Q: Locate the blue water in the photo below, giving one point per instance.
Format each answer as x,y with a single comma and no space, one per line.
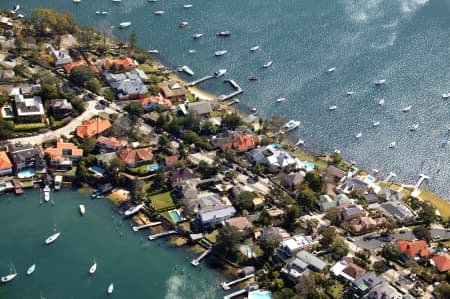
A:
98,170
308,166
25,173
175,216
259,295
153,167
402,41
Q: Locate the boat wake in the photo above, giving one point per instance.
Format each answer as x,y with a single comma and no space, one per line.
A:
175,287
410,6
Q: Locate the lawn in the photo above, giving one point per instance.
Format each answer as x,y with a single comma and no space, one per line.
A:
146,68
212,236
336,290
304,156
162,201
437,202
139,170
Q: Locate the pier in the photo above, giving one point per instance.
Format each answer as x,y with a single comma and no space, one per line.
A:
160,235
232,102
196,262
226,285
389,177
137,228
238,91
248,288
198,81
421,180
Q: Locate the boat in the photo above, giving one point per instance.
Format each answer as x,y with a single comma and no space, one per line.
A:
116,0
300,142
192,51
254,49
267,64
153,51
349,93
290,125
414,127
134,210
381,102
76,1
93,268
152,0
407,108
332,108
8,277
101,12
187,70
253,78
20,16
375,124
446,95
52,238
46,193
110,289
336,151
380,82
159,12
331,69
220,53
31,269
254,110
281,100
82,210
220,73
223,33
183,24
15,8
187,5
392,144
197,35
444,143
124,25
358,135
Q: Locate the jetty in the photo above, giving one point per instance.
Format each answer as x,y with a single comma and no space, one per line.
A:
196,262
238,90
421,180
389,177
160,235
226,285
137,228
198,81
232,102
248,288
17,186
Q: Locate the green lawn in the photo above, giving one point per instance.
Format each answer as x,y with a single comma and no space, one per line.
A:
146,68
336,290
320,164
212,236
437,202
162,201
139,170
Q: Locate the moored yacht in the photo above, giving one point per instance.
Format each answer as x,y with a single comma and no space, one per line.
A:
223,33
82,210
281,100
93,268
15,8
159,12
183,24
31,269
350,93
332,108
290,125
253,78
331,69
380,82
110,289
358,135
392,144
101,12
414,127
446,95
267,64
153,51
300,142
134,210
375,124
8,278
220,73
220,53
192,51
407,108
187,70
381,102
197,35
124,25
254,49
187,5
52,238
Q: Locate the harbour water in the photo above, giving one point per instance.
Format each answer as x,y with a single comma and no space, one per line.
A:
402,41
139,268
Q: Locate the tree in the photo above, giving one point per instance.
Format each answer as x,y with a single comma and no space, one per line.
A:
379,267
339,247
273,124
391,251
286,293
81,173
306,196
231,121
336,158
422,233
258,169
3,98
231,155
81,74
135,108
6,129
305,285
192,121
132,40
49,91
444,290
292,214
117,165
390,224
265,218
314,181
78,105
88,145
205,170
93,85
208,128
311,226
427,212
333,215
159,180
227,240
328,236
244,201
137,190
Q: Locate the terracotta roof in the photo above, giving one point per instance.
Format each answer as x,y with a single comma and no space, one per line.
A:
68,67
5,163
352,269
415,248
241,223
111,142
134,156
156,100
121,63
62,149
243,143
171,160
91,127
442,262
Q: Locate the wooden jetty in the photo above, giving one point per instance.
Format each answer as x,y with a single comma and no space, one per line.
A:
198,81
137,228
160,235
248,288
196,262
232,102
238,91
17,187
226,285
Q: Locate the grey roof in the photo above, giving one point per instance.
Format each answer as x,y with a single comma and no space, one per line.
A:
218,212
368,280
383,291
397,210
126,83
355,184
61,104
391,195
201,108
311,260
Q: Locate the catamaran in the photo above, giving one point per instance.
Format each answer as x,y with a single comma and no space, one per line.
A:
134,210
31,269
52,238
220,73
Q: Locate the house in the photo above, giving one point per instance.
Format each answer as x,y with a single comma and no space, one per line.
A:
171,160
292,179
347,270
365,224
207,157
258,203
104,160
173,91
271,156
29,110
25,156
352,211
61,108
136,157
353,184
272,233
129,89
124,64
203,108
333,176
398,211
240,223
181,175
366,282
391,195
60,56
64,155
6,22
210,208
92,127
110,144
216,215
5,164
245,142
289,247
303,263
383,291
326,202
7,75
154,102
417,249
441,262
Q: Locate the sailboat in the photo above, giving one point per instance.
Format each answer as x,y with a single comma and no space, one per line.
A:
31,269
110,289
93,268
12,274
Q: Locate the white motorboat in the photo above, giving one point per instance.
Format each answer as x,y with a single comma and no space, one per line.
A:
350,93
20,16
52,238
254,110
220,73
183,24
134,210
414,127
223,33
152,0
15,8
281,100
82,210
336,151
300,142
159,12
116,0
330,70
93,268
290,125
381,102
332,108
192,51
220,53
358,135
380,82
110,289
46,193
197,35
254,49
124,25
407,108
187,70
446,95
375,124
76,1
101,12
31,269
153,51
267,64
187,5
392,144
8,277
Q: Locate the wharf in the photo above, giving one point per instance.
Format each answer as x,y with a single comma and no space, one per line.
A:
198,81
17,186
226,285
196,262
238,91
248,288
160,235
232,102
137,228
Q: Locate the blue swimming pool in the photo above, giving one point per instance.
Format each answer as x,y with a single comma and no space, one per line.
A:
308,166
27,173
98,170
246,250
175,215
204,195
153,167
369,179
259,294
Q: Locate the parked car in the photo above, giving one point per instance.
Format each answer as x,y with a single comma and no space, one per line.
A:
350,239
436,237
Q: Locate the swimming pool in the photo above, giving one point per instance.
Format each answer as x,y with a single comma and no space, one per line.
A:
369,179
308,166
259,294
7,112
247,251
26,173
153,167
98,170
175,215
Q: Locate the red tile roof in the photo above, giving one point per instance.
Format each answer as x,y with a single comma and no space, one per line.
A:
57,152
124,63
134,156
156,100
244,143
5,163
352,269
68,67
111,142
442,262
413,249
171,160
91,127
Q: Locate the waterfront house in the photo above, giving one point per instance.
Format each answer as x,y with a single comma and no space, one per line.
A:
292,179
353,184
303,263
441,262
25,156
273,157
333,176
399,211
391,195
110,144
413,250
245,142
326,202
104,159
202,108
345,269
6,23
290,246
61,108
181,175
121,65
29,110
215,215
64,154
271,233
92,127
154,102
60,56
136,157
6,167
173,91
129,89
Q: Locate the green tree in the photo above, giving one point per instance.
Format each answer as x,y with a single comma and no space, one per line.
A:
336,158
94,85
265,218
328,236
81,74
81,173
391,251
306,196
117,165
227,241
78,105
390,224
291,219
4,98
339,247
427,212
159,180
49,91
231,121
312,226
422,233
333,215
6,129
286,293
135,108
192,121
444,290
231,155
205,170
379,267
137,190
208,128
314,181
244,201
88,145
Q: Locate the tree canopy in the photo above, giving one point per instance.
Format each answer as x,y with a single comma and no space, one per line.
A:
81,74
